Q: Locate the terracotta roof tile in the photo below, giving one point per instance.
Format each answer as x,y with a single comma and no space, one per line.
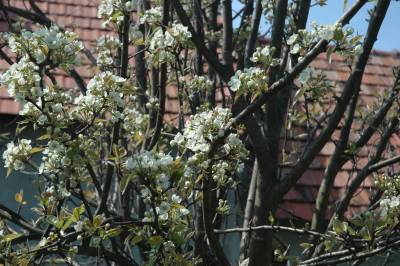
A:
8,106
81,16
311,177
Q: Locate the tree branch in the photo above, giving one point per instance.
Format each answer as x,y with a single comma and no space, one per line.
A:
296,70
123,58
356,182
251,41
163,85
352,84
276,228
15,218
221,69
248,213
348,255
377,166
334,165
227,47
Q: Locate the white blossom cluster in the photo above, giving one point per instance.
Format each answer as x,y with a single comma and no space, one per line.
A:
250,80
112,11
196,139
152,16
199,84
55,159
15,156
150,164
47,46
268,9
168,210
180,33
157,168
135,122
105,46
135,35
54,193
22,80
162,45
223,207
106,84
305,75
390,202
265,56
29,109
341,38
51,108
105,90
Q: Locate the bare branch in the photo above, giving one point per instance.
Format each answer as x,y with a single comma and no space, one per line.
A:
221,69
356,182
334,165
251,41
276,228
351,86
15,218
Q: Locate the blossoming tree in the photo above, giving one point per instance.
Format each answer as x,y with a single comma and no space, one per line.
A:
119,184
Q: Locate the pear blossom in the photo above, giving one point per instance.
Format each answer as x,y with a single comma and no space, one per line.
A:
22,80
15,156
152,15
250,80
48,45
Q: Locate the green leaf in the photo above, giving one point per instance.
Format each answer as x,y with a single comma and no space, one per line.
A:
351,231
329,53
345,4
357,220
72,153
126,179
36,150
19,197
44,137
364,233
4,136
67,223
51,219
271,218
97,221
306,245
11,237
59,224
112,233
328,245
136,239
19,129
139,41
77,212
9,171
155,241
339,226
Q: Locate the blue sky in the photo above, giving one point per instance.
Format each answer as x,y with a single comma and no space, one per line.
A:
389,36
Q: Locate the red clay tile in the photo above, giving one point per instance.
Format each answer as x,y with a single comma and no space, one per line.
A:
81,16
8,106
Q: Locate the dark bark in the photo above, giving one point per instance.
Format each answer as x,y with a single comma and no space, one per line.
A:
248,213
251,41
140,63
366,171
261,241
163,86
352,84
321,203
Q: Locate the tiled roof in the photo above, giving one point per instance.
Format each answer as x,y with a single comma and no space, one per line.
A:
81,16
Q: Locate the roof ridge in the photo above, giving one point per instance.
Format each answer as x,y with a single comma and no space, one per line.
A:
393,53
